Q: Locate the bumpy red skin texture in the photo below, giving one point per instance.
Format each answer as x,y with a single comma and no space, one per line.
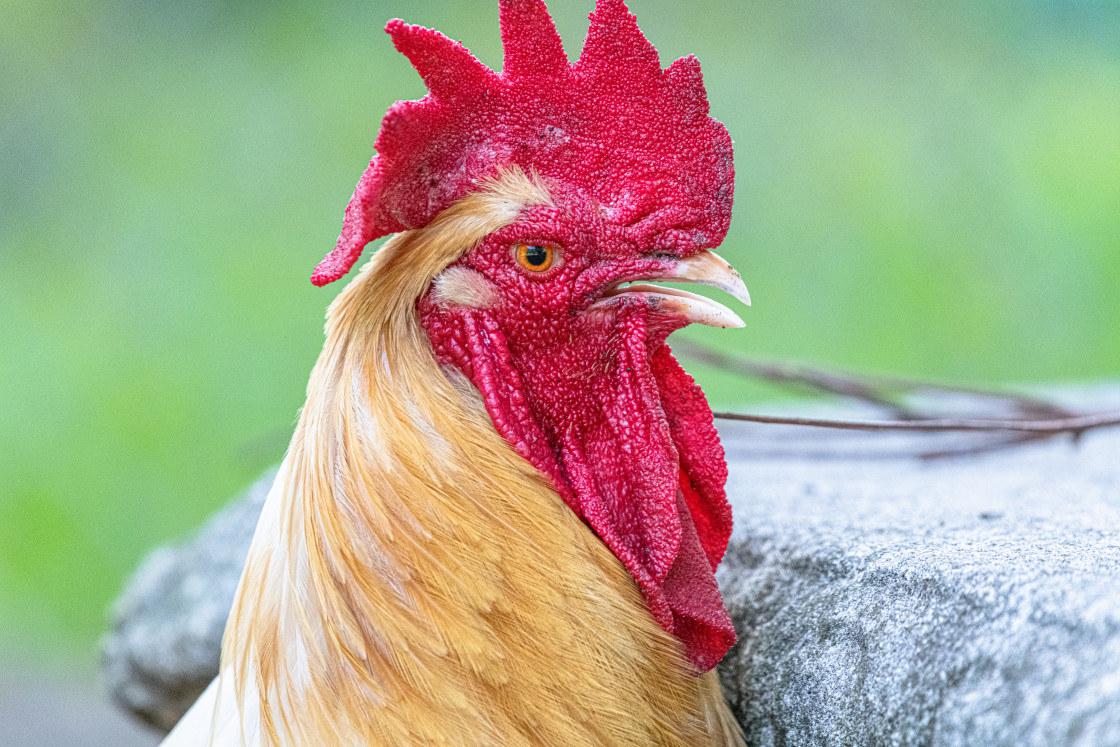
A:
596,402
635,138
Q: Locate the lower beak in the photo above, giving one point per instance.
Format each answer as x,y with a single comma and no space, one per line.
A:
705,268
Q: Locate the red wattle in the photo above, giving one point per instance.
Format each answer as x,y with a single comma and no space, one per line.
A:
703,468
700,620
630,447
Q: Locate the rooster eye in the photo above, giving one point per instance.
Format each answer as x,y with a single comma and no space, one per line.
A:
534,257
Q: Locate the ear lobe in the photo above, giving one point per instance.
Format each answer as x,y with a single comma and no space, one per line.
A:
462,286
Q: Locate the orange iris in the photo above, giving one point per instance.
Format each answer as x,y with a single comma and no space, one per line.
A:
535,257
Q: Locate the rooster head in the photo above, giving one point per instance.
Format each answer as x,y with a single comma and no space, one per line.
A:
618,177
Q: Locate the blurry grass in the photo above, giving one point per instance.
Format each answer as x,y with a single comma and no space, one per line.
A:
923,188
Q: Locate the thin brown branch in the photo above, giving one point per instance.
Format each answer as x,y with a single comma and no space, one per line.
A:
1075,425
1027,419
882,391
996,444
790,374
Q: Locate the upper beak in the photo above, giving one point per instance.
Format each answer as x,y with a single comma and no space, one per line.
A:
706,268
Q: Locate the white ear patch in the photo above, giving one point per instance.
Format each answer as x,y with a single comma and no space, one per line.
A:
462,286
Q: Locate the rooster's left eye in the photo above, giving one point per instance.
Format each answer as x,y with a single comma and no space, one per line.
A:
535,257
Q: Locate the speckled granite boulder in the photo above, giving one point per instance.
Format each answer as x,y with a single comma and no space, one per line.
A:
880,599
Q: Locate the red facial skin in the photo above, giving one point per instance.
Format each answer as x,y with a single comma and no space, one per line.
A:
596,402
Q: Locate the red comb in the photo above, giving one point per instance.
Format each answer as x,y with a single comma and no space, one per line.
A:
633,137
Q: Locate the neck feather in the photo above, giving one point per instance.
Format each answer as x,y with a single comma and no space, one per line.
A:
412,577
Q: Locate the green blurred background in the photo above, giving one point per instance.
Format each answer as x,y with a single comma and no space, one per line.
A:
923,188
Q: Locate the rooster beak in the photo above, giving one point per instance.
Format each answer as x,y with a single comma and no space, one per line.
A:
708,268
705,268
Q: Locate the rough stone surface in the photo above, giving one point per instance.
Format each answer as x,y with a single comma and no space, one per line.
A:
166,629
880,599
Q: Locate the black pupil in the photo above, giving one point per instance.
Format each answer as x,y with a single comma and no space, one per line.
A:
536,255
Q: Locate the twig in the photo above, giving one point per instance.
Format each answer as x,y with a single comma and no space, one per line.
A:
1075,425
1037,419
868,389
793,374
995,444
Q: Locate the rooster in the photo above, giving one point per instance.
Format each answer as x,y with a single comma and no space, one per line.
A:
503,504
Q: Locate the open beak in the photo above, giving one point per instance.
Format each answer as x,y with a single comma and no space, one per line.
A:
706,268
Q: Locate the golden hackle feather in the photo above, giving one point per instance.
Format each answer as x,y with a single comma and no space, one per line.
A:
414,581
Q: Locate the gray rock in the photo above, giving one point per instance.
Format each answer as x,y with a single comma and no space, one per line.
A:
880,599
887,601
165,638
